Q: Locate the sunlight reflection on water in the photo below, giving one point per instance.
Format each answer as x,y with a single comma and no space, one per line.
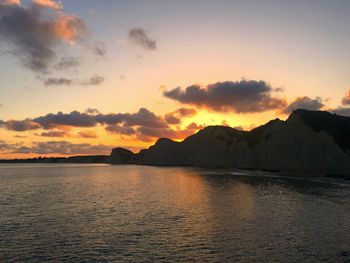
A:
140,213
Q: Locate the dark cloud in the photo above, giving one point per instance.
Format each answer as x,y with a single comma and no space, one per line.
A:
4,146
143,117
32,33
58,82
140,37
92,111
74,119
63,148
87,134
8,148
24,125
279,89
305,103
22,150
111,118
175,117
67,63
92,81
346,99
118,129
342,111
100,49
58,134
143,125
246,96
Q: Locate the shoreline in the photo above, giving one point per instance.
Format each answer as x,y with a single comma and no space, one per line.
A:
238,172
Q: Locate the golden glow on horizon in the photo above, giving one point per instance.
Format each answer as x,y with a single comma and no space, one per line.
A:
303,59
203,118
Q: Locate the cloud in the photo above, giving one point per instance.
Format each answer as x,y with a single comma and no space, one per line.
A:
33,32
87,134
58,82
92,111
92,81
67,63
73,119
4,146
20,136
95,80
58,134
149,133
48,4
175,117
346,99
90,118
118,129
24,125
245,96
145,118
139,37
194,126
305,103
342,111
143,124
100,49
63,148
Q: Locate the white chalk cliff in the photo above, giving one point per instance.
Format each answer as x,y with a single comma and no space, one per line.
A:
310,142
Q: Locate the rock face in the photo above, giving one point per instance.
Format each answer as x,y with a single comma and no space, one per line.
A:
312,142
121,156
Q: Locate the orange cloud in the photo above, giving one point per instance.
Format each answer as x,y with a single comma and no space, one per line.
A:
10,2
346,99
47,3
35,34
68,28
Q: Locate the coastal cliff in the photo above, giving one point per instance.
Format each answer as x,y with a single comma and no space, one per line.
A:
313,142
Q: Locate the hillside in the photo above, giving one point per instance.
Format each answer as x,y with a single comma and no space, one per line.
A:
312,142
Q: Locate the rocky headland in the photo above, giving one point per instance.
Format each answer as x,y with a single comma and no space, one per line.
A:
310,142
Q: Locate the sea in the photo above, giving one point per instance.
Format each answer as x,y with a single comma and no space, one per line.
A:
129,213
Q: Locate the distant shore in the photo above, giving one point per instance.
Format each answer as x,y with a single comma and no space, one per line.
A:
70,159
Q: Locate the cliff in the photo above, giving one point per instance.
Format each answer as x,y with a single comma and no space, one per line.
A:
312,142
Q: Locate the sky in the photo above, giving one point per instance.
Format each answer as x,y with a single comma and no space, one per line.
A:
81,77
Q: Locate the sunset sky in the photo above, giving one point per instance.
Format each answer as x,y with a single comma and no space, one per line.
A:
84,76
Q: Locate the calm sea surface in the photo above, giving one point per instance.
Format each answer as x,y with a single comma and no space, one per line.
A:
84,213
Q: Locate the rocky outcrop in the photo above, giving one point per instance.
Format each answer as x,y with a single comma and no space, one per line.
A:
121,156
312,142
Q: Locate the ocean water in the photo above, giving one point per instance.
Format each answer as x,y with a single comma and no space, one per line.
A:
102,213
